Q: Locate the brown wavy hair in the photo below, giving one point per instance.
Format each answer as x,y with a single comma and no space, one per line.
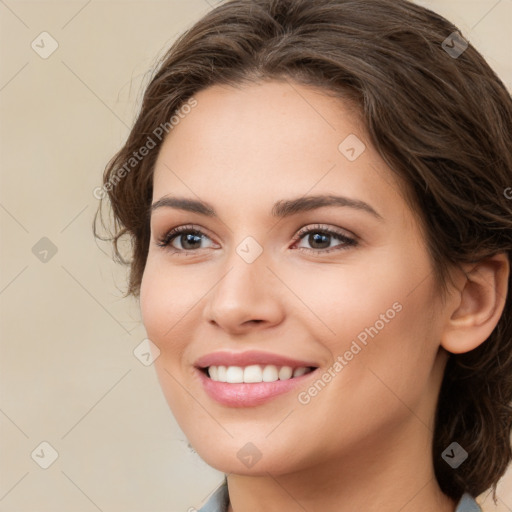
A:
442,122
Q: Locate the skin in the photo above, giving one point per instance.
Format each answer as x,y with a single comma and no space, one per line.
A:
364,441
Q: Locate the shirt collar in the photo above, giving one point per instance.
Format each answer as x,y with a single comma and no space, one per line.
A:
219,502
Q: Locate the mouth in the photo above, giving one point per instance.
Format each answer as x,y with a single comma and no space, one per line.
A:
251,378
255,373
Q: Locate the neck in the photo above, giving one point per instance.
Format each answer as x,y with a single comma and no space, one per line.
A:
390,476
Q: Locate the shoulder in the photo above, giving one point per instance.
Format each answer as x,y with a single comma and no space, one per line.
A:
467,504
218,501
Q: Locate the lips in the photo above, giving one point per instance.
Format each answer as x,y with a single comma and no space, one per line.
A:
223,376
249,358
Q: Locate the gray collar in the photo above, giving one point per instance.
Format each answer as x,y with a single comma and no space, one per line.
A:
219,502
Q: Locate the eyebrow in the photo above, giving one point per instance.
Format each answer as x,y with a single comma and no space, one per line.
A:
281,209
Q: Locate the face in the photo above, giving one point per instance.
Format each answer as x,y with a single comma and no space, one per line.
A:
303,260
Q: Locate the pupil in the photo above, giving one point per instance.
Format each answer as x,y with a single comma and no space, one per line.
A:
318,238
189,238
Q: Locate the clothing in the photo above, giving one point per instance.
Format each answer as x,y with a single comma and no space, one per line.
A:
219,502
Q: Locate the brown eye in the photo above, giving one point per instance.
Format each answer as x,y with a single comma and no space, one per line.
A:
183,239
319,239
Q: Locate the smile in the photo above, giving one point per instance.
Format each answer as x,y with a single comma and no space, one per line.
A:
251,378
255,373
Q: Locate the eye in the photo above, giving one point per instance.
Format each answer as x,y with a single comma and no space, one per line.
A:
187,239
320,238
183,239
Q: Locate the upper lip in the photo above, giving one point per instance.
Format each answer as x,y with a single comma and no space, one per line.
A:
248,358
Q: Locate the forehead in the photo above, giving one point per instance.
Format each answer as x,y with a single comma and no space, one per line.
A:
259,143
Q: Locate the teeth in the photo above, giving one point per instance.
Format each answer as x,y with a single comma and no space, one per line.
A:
221,374
214,372
254,373
270,373
299,371
234,374
285,373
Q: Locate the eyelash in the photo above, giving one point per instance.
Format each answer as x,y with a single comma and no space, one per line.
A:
347,242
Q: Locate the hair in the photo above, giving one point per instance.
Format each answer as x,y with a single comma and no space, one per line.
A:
442,123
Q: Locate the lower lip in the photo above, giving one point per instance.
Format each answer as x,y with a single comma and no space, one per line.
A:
248,394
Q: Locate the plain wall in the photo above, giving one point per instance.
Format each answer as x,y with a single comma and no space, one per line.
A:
68,375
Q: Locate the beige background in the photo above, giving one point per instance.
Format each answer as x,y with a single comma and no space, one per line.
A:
68,373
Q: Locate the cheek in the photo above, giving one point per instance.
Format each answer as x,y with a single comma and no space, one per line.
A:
165,302
380,314
406,349
154,303
166,298
387,344
347,299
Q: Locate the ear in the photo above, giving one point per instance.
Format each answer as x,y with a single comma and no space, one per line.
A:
477,304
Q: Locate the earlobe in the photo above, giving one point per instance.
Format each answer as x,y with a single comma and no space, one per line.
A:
480,303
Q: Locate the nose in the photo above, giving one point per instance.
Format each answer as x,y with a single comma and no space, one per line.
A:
246,296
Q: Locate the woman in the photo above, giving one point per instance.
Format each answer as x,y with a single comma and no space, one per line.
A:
315,191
